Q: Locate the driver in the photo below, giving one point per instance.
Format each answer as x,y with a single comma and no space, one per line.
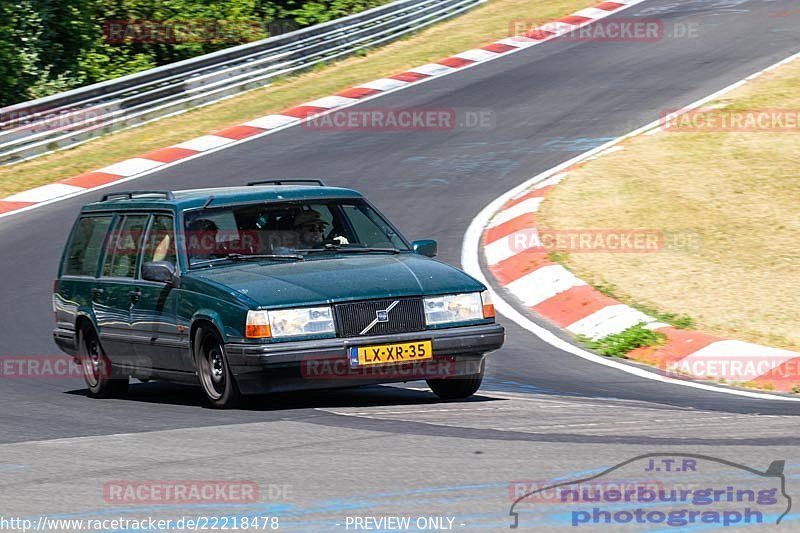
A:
310,228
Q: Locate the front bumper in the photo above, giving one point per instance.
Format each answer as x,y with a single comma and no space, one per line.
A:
324,363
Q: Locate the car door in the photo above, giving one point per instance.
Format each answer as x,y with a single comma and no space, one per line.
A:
159,338
117,293
78,286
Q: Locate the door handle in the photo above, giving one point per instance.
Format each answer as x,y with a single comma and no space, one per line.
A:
135,294
97,292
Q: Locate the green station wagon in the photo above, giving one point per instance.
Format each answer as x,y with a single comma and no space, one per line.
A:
277,286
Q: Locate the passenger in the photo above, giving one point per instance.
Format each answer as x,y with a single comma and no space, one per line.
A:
163,249
202,239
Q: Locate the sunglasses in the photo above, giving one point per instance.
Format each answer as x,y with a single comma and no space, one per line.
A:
314,227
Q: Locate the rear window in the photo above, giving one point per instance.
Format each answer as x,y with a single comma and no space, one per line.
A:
86,245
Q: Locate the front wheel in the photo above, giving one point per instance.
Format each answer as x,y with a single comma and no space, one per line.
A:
213,370
457,388
97,368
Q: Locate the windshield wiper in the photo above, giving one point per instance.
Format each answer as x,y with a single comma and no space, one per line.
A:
245,257
339,248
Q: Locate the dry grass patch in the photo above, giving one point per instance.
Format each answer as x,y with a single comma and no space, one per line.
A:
473,29
729,207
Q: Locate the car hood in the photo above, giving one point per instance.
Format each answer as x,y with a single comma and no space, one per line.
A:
339,278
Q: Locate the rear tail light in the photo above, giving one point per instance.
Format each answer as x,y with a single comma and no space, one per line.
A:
488,306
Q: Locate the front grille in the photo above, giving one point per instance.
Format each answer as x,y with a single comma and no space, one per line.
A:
352,318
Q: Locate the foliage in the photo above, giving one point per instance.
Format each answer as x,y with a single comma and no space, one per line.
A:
619,344
673,319
48,46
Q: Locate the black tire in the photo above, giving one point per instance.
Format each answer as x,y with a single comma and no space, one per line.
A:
213,371
96,367
457,388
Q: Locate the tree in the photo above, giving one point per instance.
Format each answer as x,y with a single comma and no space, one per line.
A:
48,46
20,27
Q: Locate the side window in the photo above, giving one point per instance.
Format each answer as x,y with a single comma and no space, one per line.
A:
86,245
208,229
159,245
124,246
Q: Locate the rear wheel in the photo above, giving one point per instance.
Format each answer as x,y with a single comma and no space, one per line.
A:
457,388
213,370
97,370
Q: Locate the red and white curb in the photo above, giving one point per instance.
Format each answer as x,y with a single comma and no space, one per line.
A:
159,159
518,261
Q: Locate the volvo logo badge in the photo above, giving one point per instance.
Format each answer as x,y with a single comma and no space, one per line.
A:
381,316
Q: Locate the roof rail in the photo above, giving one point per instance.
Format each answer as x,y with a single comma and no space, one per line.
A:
284,182
128,195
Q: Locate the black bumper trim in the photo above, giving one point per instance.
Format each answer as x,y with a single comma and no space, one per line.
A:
65,340
478,339
324,364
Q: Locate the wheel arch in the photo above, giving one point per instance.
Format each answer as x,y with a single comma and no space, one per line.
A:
205,320
82,321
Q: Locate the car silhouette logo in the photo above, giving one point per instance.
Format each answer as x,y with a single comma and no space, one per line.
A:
381,315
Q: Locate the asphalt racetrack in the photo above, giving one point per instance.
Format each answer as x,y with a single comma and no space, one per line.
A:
322,457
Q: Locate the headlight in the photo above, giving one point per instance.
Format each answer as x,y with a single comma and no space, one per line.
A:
289,322
454,308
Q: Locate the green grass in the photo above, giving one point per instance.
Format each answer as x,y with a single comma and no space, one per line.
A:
557,256
619,344
673,319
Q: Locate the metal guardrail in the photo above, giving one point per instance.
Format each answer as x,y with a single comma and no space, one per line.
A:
37,127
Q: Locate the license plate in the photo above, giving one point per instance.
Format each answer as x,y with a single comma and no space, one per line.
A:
388,354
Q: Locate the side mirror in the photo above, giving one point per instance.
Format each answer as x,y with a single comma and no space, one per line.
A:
160,271
426,247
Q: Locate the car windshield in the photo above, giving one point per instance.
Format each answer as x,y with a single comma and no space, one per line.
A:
287,230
